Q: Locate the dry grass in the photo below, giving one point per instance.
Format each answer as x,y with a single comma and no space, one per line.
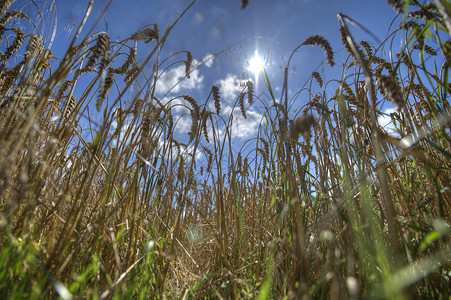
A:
327,206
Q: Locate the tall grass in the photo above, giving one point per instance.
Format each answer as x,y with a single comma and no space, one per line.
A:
327,204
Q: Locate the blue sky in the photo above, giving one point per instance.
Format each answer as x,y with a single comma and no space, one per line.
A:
271,28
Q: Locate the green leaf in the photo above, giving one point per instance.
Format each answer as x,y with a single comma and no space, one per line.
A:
429,239
441,228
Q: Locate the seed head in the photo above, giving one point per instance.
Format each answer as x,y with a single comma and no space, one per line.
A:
302,125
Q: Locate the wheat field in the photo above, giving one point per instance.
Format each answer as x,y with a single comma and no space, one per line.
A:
327,204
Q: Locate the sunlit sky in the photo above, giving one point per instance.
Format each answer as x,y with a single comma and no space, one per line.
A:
271,29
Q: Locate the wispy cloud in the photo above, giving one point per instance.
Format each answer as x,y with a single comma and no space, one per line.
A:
174,80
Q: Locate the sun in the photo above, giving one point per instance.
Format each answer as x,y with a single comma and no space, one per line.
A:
256,64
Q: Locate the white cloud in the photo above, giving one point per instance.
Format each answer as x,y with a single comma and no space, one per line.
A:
207,61
174,80
185,152
123,138
178,105
230,87
386,123
183,124
188,153
244,128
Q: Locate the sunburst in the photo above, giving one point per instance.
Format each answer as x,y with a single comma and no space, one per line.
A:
256,64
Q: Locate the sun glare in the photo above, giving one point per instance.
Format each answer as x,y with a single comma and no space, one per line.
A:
256,64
